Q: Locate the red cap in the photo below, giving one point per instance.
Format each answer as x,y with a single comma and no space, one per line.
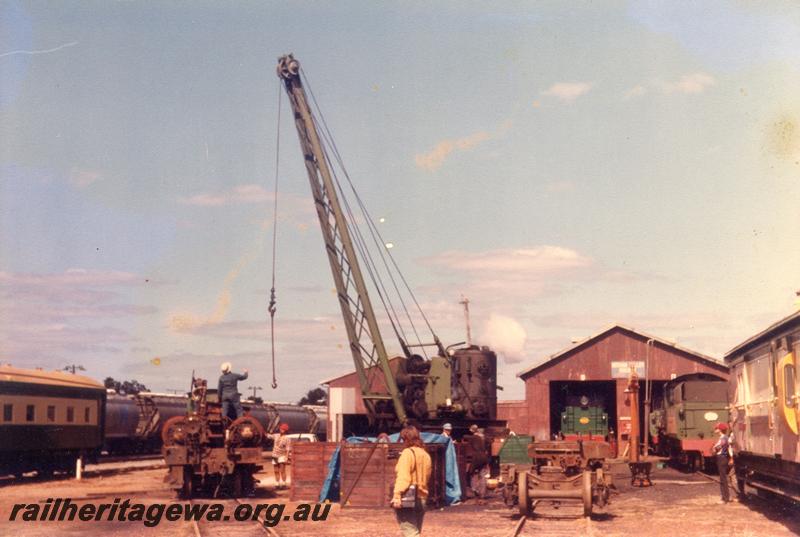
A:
284,427
722,427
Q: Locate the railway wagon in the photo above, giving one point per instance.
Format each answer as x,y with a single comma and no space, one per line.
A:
206,451
133,422
122,423
765,413
683,423
50,419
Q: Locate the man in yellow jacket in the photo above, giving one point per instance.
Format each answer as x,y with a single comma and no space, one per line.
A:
413,468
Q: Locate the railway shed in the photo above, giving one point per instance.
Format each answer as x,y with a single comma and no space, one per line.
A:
595,372
347,414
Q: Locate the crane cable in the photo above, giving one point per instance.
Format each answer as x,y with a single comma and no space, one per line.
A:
376,236
272,300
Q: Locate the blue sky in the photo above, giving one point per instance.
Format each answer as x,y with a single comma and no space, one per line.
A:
564,167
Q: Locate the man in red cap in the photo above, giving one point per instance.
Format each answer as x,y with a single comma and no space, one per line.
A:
722,449
280,455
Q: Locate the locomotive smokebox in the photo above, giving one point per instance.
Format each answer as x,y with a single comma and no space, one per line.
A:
474,382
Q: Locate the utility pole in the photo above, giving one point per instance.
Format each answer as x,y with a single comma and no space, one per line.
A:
255,389
71,368
465,302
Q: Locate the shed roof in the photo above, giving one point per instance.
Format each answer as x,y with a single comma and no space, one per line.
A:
353,372
563,353
764,334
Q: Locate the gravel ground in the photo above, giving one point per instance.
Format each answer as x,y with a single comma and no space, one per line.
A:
678,504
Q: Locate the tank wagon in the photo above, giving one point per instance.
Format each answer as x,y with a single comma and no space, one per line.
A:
584,418
134,422
300,419
207,452
50,419
765,412
682,425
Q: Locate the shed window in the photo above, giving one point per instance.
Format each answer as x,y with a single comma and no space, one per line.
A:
30,413
8,412
70,414
87,412
51,413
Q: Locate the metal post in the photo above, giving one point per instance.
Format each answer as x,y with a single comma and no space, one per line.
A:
648,385
465,302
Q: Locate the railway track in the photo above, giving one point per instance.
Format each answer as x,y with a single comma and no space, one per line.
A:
128,458
229,526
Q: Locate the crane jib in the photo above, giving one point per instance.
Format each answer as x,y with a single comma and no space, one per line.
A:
366,344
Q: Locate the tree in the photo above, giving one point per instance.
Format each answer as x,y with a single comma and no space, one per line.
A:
131,387
316,396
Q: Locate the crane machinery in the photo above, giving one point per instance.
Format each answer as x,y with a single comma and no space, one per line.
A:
455,385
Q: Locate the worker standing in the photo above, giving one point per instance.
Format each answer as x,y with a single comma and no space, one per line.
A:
228,390
722,450
412,475
281,448
478,466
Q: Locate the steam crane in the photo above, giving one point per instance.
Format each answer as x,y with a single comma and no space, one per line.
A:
458,386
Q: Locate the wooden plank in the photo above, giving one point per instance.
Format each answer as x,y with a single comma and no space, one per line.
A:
309,468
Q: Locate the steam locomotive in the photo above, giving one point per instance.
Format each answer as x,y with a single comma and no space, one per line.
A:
682,424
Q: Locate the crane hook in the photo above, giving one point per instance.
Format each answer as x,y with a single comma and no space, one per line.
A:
272,309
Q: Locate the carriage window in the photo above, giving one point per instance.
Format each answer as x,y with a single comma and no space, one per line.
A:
758,380
30,413
86,413
8,412
70,414
788,382
51,413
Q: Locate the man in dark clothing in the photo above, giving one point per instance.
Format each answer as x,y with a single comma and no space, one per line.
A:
478,465
228,390
722,450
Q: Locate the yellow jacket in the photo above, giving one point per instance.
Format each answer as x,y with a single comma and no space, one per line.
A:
413,468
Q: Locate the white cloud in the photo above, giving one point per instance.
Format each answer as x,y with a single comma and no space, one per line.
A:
555,187
505,336
81,178
433,159
241,194
525,261
690,84
50,316
567,91
636,91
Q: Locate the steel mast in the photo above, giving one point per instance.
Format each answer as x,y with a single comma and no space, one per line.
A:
366,344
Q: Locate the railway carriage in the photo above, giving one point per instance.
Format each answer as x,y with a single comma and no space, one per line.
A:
50,418
765,412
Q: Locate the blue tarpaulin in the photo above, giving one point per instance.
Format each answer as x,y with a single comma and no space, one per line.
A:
330,488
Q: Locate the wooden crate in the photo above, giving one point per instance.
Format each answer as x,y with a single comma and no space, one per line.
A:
368,469
309,468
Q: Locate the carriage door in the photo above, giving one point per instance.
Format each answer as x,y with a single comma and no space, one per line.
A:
788,391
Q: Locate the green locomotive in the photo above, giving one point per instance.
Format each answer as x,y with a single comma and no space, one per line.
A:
585,419
682,427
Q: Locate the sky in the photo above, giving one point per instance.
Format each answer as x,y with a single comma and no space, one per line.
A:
563,166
